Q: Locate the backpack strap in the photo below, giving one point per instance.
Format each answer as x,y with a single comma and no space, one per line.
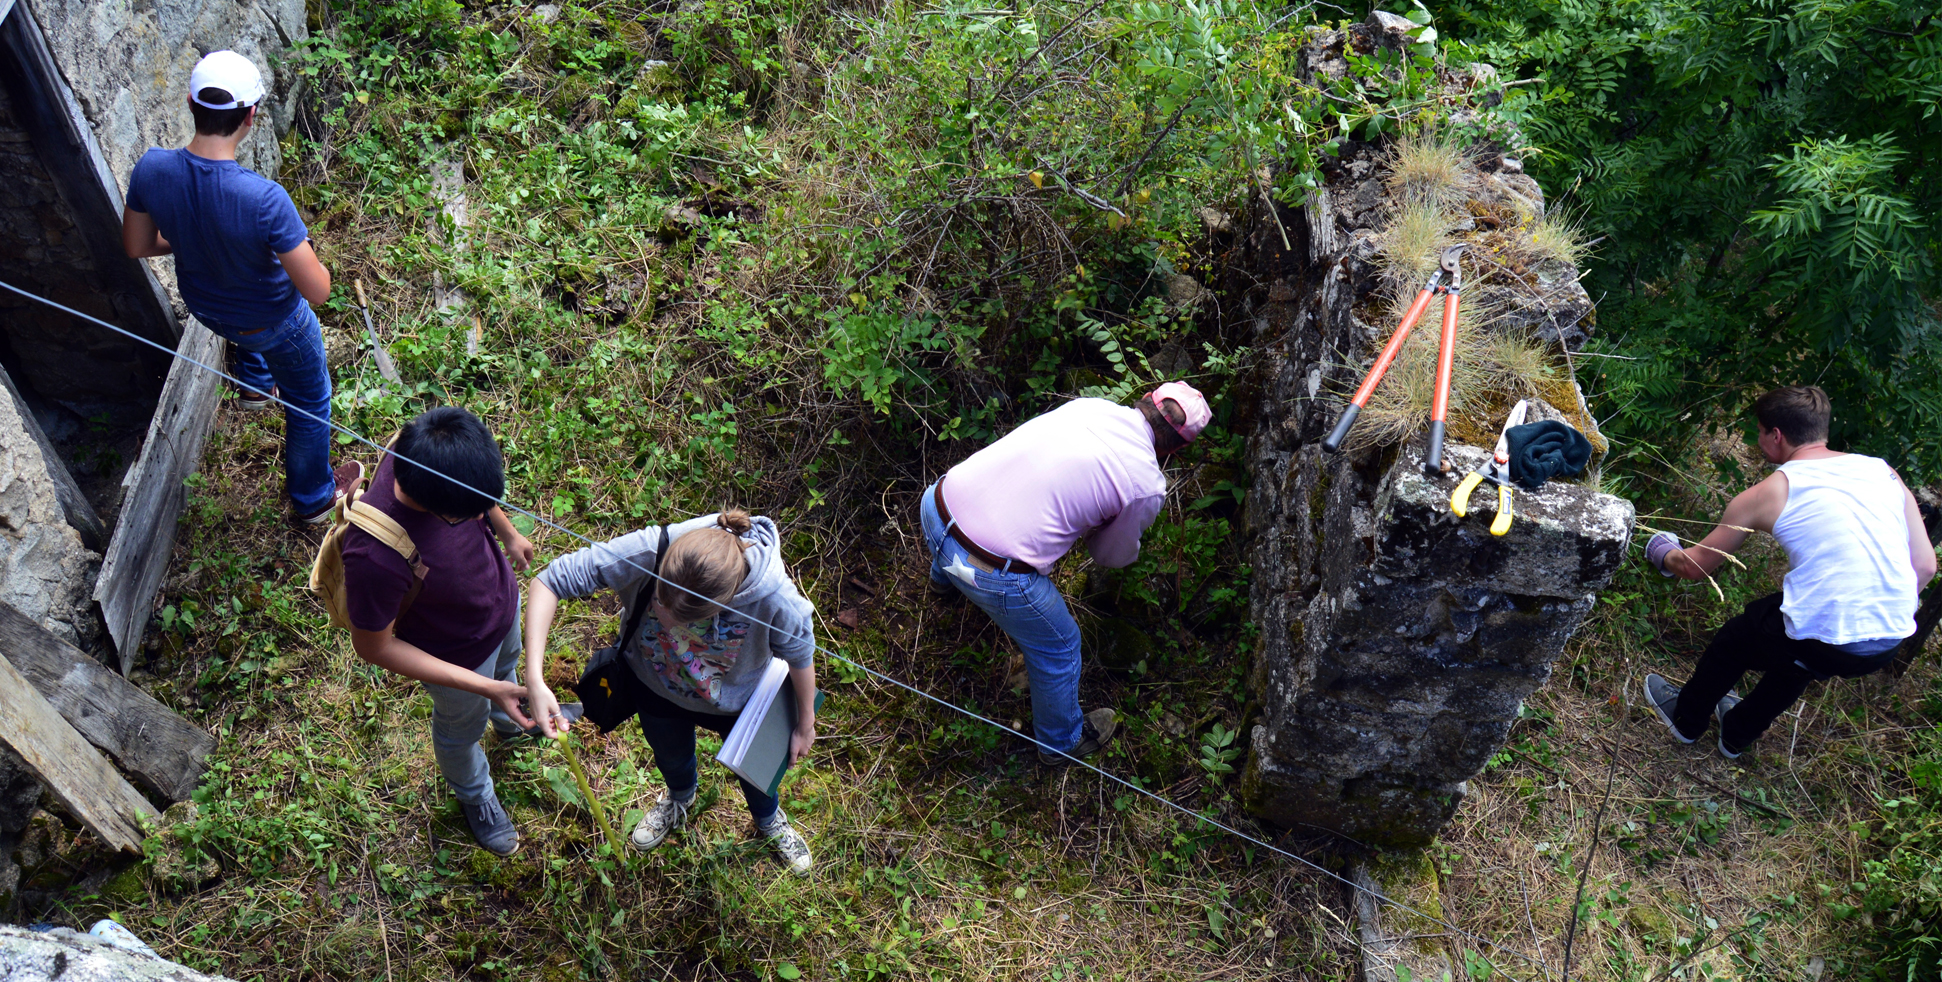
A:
640,596
383,528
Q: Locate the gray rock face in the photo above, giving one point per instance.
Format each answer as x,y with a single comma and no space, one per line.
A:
70,956
45,571
1397,642
129,62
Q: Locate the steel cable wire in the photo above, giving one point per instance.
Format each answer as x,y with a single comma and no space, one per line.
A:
1169,803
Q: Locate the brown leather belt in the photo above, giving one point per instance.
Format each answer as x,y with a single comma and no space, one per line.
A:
996,562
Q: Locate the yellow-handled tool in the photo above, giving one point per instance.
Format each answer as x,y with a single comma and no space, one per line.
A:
1497,471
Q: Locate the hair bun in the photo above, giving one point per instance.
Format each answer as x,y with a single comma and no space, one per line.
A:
735,520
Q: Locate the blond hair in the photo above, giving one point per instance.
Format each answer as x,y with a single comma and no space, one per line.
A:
708,562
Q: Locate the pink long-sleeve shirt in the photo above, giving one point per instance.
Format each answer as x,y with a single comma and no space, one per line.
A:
1084,470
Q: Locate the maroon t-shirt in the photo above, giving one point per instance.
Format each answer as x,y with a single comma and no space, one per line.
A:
470,597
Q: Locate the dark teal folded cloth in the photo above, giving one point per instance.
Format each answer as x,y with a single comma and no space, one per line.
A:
1543,450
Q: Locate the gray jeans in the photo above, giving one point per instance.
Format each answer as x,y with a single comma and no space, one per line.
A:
459,719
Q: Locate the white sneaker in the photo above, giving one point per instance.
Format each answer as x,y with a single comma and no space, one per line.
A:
666,816
789,843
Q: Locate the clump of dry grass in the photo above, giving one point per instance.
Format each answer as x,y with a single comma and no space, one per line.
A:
1412,245
1491,370
1557,237
1428,169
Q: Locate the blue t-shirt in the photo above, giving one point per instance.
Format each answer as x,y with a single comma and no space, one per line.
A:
227,224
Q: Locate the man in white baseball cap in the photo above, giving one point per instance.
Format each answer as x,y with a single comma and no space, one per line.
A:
997,523
244,264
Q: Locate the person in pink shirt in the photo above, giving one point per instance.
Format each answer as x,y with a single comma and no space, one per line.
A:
997,523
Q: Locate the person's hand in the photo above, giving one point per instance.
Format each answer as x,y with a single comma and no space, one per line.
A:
506,696
1660,546
546,710
799,741
520,550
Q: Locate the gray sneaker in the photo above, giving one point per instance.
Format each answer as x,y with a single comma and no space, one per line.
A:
492,828
1664,697
667,815
1725,705
788,842
1098,730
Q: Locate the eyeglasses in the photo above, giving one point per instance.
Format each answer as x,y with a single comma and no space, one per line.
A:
456,522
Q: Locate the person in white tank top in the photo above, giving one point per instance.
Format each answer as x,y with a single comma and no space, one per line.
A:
1857,557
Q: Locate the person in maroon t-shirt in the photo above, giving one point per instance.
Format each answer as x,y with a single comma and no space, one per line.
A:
461,635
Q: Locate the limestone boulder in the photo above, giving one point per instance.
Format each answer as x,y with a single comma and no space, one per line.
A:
45,570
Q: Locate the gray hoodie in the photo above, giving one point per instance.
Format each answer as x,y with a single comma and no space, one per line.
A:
714,669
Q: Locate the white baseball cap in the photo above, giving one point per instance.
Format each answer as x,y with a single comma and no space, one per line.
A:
230,72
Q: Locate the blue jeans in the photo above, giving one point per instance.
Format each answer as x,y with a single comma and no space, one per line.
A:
291,356
1030,609
459,720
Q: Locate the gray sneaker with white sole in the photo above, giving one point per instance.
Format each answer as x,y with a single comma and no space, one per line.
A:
1664,697
667,815
788,843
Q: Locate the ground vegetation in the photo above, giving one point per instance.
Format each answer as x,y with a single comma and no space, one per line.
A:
801,257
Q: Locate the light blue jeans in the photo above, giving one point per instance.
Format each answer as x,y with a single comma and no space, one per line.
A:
459,720
1030,609
291,357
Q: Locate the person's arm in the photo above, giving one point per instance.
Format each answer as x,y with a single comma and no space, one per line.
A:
804,682
139,236
383,649
519,549
1919,549
306,273
1117,543
1755,508
542,604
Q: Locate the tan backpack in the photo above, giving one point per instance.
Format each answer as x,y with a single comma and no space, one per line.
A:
327,573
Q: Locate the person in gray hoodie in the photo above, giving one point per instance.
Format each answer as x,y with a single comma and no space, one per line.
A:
699,654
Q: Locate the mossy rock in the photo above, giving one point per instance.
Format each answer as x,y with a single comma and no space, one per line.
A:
1648,920
127,888
657,79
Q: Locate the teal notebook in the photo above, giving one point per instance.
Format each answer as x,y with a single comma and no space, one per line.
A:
757,747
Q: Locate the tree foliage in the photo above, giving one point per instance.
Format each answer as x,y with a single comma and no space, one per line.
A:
1764,175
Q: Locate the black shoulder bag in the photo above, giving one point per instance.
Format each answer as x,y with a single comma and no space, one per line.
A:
609,690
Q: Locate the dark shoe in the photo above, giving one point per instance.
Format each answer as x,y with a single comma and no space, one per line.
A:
1664,697
1724,706
1099,728
321,516
252,401
492,828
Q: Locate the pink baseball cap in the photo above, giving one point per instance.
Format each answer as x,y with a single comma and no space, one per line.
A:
1191,402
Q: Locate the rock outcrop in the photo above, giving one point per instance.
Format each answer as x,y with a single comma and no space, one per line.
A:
45,570
1397,641
70,956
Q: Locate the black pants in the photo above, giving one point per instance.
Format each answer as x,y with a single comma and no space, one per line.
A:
1757,641
670,731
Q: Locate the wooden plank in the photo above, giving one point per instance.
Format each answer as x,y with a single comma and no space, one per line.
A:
153,494
74,502
162,751
86,784
48,111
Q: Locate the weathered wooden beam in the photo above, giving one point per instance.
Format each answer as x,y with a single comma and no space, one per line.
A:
153,493
74,502
162,751
87,785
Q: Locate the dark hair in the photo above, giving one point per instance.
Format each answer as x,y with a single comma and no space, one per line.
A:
1800,412
454,443
709,562
1166,439
218,122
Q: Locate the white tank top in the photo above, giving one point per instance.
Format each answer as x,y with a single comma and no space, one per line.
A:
1850,577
